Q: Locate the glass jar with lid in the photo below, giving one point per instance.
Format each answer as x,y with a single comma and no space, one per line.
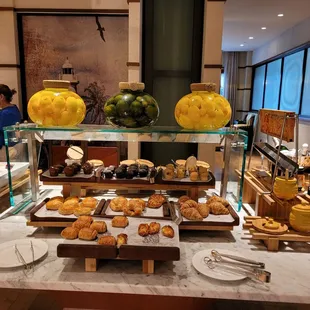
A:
131,107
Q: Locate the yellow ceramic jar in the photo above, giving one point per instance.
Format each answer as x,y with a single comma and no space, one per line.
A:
300,218
285,189
56,105
203,108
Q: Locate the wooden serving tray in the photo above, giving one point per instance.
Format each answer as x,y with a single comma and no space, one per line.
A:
209,223
168,213
80,177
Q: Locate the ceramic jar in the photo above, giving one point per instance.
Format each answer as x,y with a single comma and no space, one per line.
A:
56,105
131,107
203,109
300,218
285,188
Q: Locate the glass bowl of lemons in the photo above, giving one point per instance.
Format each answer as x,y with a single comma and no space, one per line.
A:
56,105
131,107
203,109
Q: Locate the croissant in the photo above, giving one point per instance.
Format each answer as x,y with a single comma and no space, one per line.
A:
203,209
183,199
190,203
223,201
218,209
191,214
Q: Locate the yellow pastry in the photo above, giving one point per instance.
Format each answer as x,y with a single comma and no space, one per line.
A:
154,228
60,198
120,221
99,226
169,174
107,240
136,202
191,214
156,201
117,204
203,209
89,202
218,208
85,218
67,209
70,233
82,211
87,234
168,231
143,230
121,239
193,176
75,198
78,224
183,199
53,204
223,201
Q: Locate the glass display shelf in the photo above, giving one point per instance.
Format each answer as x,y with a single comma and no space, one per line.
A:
29,138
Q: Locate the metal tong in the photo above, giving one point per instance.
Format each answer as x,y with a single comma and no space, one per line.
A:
27,267
238,265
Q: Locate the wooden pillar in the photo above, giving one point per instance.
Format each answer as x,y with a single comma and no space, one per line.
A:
211,60
134,58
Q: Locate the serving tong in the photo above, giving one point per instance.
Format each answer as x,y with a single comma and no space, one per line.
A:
28,268
238,265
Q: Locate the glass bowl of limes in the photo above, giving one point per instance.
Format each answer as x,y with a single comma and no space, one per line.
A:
131,107
56,105
203,109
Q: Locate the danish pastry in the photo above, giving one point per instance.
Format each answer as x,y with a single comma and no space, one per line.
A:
100,226
218,208
78,224
89,202
60,198
87,234
183,199
154,228
191,214
117,204
72,203
121,239
53,204
67,209
76,198
107,240
156,200
168,231
223,201
136,202
169,174
143,230
70,233
203,209
85,218
181,172
120,221
81,211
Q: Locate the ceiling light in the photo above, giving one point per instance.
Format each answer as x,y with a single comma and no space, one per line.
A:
241,44
280,15
251,38
264,28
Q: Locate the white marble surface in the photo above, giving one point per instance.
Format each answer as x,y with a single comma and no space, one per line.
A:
289,283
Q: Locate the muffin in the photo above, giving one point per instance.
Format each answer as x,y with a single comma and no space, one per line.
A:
69,171
120,173
53,171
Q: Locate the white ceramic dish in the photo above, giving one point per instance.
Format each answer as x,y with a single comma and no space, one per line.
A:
216,273
8,257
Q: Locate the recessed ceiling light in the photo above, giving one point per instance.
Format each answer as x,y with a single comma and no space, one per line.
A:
280,15
264,28
251,38
241,44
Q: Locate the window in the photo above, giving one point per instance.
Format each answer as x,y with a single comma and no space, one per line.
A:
284,83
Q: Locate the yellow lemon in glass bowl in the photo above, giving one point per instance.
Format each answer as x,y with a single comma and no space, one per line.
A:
203,109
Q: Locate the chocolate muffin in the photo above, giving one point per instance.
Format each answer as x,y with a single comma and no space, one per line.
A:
77,167
130,174
123,167
60,168
143,173
108,174
54,171
136,166
134,170
145,167
120,173
87,168
69,171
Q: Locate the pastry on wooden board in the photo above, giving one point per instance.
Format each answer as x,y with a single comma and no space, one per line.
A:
67,209
143,230
154,228
218,208
120,221
89,202
194,176
72,203
136,202
117,204
82,211
85,218
99,226
168,231
76,198
107,240
183,199
203,209
121,239
69,233
191,214
87,234
78,224
156,201
169,174
223,201
53,204
190,203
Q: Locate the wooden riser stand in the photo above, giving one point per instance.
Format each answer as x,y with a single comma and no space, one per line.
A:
272,241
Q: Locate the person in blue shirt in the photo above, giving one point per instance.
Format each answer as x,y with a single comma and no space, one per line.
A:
9,113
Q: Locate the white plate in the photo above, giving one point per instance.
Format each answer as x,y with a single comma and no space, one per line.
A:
216,273
8,258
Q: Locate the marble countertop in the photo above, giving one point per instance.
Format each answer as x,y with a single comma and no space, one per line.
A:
290,269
